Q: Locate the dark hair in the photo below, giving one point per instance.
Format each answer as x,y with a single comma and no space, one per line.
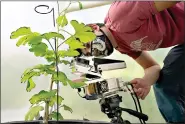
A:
104,36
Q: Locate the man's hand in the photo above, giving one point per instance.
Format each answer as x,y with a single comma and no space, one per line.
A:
151,69
141,87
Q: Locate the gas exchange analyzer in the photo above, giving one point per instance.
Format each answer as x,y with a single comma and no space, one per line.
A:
97,86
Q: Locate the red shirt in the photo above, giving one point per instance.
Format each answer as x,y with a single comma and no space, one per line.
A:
137,26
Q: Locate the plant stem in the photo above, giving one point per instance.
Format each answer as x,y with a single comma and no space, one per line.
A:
51,85
57,69
46,118
46,115
56,54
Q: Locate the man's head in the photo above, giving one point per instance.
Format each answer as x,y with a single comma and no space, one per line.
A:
100,47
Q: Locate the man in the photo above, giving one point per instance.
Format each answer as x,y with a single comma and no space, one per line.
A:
133,28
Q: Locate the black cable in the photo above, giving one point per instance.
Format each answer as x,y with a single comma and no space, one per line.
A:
132,98
140,109
134,102
137,99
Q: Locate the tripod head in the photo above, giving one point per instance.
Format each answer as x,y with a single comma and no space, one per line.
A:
110,106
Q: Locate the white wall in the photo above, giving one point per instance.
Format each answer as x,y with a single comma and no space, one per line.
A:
14,60
14,100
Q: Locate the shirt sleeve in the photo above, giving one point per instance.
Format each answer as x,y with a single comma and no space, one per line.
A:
134,55
125,50
126,16
146,8
140,9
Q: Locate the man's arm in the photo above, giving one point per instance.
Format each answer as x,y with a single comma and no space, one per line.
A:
162,5
150,66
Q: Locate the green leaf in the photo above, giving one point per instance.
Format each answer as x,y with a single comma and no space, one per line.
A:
39,49
50,56
35,99
80,27
67,108
33,112
56,116
35,40
61,78
53,100
20,32
30,85
85,37
83,32
50,35
29,75
80,5
28,70
73,69
76,85
22,40
25,39
65,62
62,20
74,44
50,53
68,53
36,71
49,69
42,96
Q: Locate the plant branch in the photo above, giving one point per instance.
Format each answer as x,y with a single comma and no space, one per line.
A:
58,26
65,8
61,43
51,85
66,31
59,107
51,45
65,40
37,104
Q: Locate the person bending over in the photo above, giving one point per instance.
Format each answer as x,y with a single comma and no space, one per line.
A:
135,27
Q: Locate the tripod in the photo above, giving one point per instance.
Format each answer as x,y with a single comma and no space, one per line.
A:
110,106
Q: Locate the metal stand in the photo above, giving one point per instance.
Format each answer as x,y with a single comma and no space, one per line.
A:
110,106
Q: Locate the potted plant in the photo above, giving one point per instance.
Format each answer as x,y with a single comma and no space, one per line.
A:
40,44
